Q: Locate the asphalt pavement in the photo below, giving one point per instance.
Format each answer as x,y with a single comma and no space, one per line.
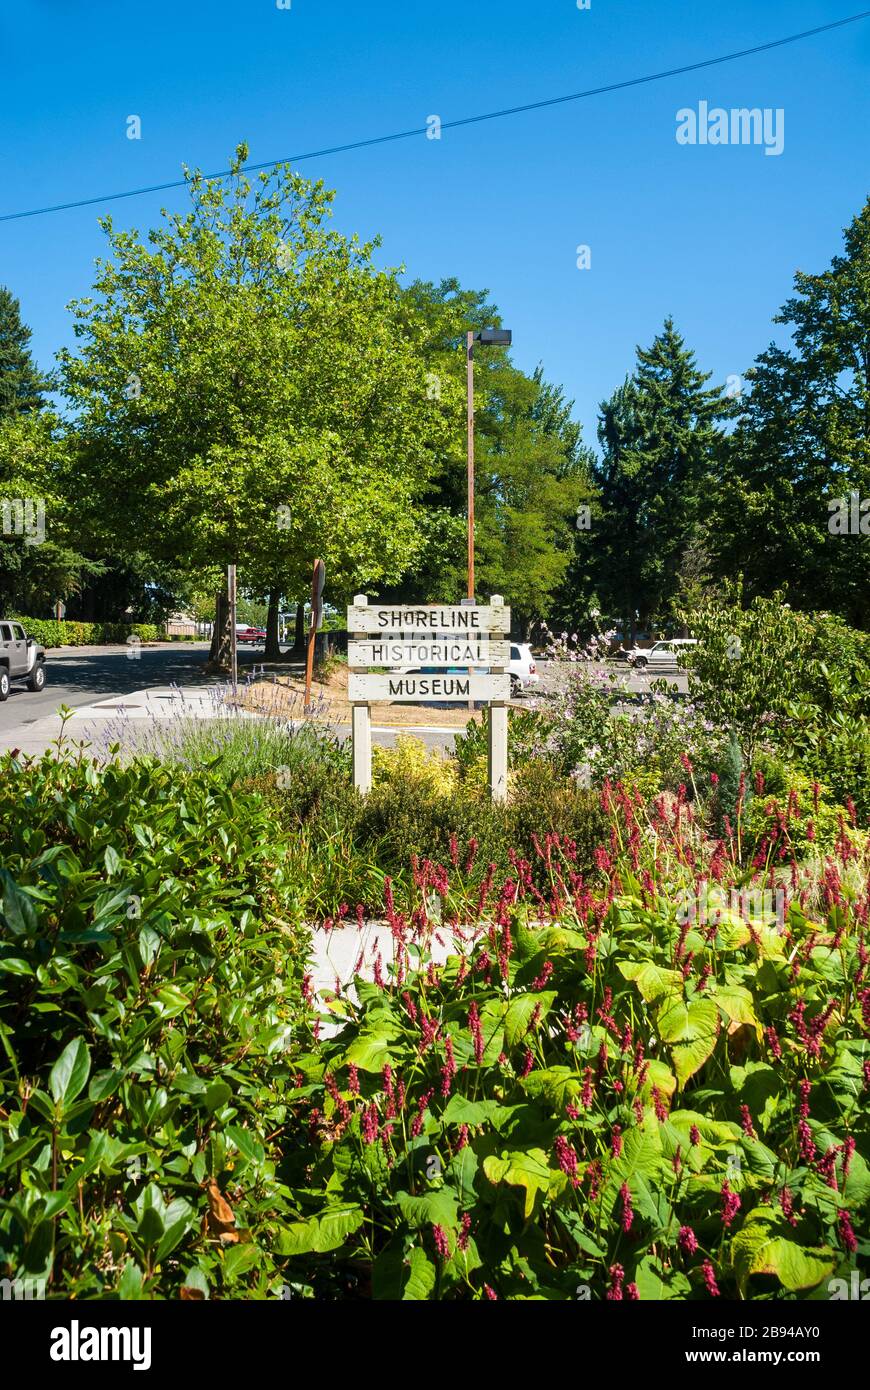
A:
111,692
103,685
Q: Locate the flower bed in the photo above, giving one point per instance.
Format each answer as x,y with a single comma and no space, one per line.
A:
647,1077
612,1098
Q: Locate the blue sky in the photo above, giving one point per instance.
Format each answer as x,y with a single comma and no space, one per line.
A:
709,234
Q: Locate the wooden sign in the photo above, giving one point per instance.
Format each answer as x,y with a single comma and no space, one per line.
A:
439,651
452,637
412,689
459,620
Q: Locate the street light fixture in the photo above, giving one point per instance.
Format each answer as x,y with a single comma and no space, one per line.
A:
487,337
494,337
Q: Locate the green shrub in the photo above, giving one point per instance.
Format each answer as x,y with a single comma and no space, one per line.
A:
797,681
603,1095
50,633
528,733
398,821
789,807
151,976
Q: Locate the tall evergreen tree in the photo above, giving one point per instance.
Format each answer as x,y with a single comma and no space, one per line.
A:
802,442
659,435
21,384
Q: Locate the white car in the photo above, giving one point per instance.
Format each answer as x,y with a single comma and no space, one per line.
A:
522,669
661,654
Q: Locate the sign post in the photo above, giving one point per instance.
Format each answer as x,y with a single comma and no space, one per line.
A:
454,653
233,608
318,583
498,734
361,719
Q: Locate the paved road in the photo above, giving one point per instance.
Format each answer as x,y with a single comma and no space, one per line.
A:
94,681
83,675
83,678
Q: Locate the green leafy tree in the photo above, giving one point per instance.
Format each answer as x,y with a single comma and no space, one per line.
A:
40,559
659,435
798,682
251,390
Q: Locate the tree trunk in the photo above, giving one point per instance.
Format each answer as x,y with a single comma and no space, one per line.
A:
273,647
299,643
219,657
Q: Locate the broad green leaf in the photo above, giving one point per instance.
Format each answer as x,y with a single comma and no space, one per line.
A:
656,1284
520,1011
679,1021
462,1111
239,1259
249,1147
70,1072
112,860
461,1172
421,1277
14,965
653,981
530,1171
319,1234
736,1003
765,1245
436,1208
103,1084
130,1283
688,1058
170,1001
370,1052
335,1224
297,1237
217,1095
558,1084
692,1029
17,910
178,1218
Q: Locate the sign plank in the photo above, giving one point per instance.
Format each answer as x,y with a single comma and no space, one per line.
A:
426,618
437,651
412,689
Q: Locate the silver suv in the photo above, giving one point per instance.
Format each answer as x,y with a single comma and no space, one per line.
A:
21,659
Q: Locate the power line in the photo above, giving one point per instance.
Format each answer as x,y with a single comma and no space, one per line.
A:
452,125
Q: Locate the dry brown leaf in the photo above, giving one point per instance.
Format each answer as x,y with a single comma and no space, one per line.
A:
220,1208
221,1219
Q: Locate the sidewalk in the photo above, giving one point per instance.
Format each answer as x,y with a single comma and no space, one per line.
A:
88,722
105,721
337,956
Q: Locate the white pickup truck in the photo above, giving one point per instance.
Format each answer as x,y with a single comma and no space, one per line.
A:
21,659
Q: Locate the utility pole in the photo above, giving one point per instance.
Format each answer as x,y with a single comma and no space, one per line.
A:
491,337
231,604
471,465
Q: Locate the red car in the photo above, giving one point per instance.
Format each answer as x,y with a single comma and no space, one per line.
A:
251,635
